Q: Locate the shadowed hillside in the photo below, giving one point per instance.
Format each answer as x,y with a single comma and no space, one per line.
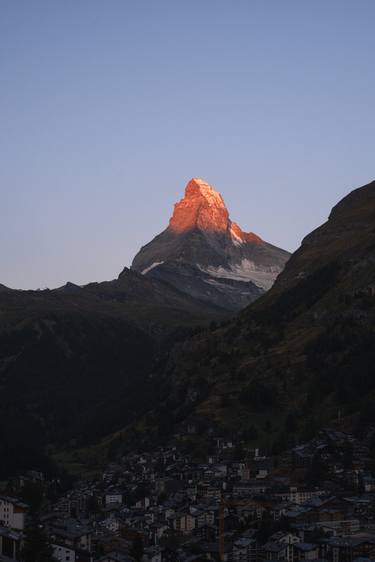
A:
66,354
299,357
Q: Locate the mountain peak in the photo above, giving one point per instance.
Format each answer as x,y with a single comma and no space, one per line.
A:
205,254
197,186
201,207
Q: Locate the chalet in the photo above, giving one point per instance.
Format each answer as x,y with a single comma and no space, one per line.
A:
212,551
12,513
202,516
152,554
289,539
296,495
64,553
250,488
275,551
115,557
113,497
10,543
245,550
183,523
305,551
346,549
72,535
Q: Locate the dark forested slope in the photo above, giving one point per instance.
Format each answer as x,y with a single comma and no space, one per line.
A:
301,356
65,354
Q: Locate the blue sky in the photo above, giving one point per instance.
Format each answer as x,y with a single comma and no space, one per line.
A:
108,108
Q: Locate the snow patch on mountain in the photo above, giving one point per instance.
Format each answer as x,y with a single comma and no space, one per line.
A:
245,271
213,197
147,269
237,240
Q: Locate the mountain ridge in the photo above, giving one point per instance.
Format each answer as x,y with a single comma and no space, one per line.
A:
289,362
66,352
294,358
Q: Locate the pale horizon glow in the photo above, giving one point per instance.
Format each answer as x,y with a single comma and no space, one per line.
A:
108,109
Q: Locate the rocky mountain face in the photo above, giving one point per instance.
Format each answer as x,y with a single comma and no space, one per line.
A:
347,236
206,255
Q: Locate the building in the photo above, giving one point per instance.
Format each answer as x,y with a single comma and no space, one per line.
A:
305,551
183,523
12,513
10,543
113,497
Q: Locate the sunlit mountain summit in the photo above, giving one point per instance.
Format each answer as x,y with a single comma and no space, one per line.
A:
204,253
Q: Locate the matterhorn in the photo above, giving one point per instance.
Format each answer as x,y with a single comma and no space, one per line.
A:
206,255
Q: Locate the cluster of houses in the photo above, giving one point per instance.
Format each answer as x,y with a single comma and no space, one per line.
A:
165,507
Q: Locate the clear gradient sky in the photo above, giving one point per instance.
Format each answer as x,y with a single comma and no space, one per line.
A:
107,109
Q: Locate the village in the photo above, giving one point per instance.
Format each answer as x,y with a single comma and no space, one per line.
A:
315,502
